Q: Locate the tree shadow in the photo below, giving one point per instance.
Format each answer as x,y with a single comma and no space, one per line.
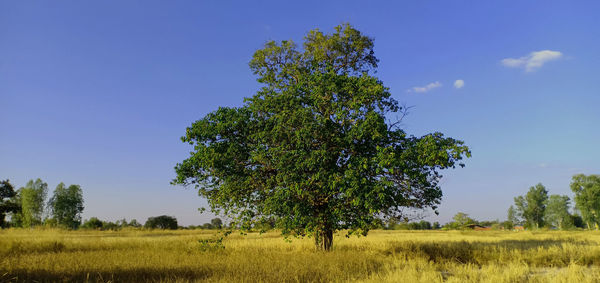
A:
117,275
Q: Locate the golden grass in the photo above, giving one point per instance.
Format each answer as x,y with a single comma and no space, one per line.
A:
383,256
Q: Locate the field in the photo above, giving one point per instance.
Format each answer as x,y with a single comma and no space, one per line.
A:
383,256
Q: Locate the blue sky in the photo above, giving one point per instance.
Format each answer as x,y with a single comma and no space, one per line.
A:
98,94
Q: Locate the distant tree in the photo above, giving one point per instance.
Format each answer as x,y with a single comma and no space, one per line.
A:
66,205
587,198
7,203
462,220
217,223
436,225
557,212
92,223
507,225
122,223
512,216
109,225
208,226
32,198
314,147
161,222
134,223
421,225
532,206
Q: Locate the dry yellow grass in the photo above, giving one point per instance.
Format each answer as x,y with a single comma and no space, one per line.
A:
383,256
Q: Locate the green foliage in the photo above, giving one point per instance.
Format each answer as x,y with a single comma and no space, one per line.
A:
421,225
66,205
313,148
512,216
32,198
134,223
557,212
462,219
577,221
92,223
161,222
532,206
217,223
7,203
211,244
587,198
97,224
508,225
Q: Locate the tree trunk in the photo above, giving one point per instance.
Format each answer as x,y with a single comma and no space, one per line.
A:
324,239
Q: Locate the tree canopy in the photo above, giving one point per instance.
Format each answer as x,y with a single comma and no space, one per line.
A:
314,147
7,202
161,222
532,206
557,212
32,198
587,198
66,205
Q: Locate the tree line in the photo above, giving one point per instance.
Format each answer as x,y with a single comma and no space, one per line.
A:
534,210
29,207
537,209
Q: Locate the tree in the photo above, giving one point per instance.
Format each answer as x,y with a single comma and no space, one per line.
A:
314,148
577,221
32,198
512,216
532,206
7,203
462,219
93,223
134,223
66,205
161,222
557,212
217,223
508,225
587,198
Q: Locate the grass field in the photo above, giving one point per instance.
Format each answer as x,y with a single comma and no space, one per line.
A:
383,256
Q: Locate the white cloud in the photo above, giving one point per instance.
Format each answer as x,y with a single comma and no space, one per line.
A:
423,89
459,84
533,61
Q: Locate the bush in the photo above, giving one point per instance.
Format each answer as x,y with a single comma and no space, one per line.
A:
93,223
161,222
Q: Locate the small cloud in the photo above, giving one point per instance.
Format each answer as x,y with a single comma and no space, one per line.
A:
423,89
459,84
533,61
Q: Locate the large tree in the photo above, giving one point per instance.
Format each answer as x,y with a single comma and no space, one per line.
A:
532,206
314,148
161,222
7,203
557,212
587,198
66,205
32,198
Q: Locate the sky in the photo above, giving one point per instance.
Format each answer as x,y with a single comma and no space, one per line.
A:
99,93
